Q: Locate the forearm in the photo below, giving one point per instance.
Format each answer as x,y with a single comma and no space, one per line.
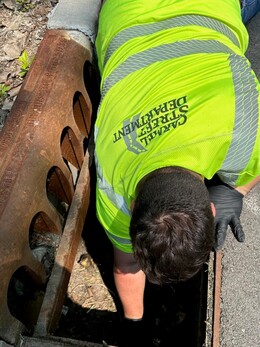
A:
130,284
246,188
130,288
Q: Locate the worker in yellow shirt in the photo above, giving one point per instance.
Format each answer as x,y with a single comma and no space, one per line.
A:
177,139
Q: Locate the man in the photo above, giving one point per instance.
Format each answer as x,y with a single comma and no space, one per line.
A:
179,108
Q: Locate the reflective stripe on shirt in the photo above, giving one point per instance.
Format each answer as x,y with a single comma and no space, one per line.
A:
161,53
246,120
146,29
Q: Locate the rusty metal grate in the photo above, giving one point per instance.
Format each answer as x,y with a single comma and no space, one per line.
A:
44,179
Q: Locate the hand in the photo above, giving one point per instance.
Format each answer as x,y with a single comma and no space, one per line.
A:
228,203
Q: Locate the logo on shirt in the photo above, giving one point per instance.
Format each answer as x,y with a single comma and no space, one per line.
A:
140,130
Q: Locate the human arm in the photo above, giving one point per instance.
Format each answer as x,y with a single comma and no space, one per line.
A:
130,284
228,202
246,188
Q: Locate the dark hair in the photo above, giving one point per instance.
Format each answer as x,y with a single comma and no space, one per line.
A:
172,226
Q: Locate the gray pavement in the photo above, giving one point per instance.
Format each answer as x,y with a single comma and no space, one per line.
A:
240,291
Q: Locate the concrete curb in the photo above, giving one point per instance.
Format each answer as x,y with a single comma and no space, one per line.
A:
80,15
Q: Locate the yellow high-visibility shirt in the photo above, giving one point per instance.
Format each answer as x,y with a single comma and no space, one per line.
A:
176,90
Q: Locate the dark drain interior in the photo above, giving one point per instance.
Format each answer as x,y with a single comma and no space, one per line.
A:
177,314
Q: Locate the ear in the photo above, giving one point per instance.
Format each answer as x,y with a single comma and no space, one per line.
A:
132,206
213,208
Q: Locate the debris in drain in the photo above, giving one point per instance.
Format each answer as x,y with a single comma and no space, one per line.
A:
64,310
25,296
44,246
86,261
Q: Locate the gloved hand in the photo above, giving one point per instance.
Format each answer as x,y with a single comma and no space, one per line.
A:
133,333
228,203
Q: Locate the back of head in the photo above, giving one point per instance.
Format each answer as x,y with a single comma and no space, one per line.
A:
172,226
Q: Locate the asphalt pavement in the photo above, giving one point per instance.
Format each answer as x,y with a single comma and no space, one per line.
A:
240,291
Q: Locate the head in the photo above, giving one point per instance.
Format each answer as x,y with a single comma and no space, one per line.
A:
172,225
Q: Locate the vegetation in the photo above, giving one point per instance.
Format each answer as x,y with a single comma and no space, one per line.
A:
4,89
24,5
25,63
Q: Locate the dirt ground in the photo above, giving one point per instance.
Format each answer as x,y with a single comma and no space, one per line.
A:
91,311
22,26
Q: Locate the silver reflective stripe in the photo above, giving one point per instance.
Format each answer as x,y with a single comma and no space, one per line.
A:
107,189
160,53
119,239
246,120
151,28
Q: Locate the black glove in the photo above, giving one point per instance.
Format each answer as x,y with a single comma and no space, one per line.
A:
133,333
228,203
